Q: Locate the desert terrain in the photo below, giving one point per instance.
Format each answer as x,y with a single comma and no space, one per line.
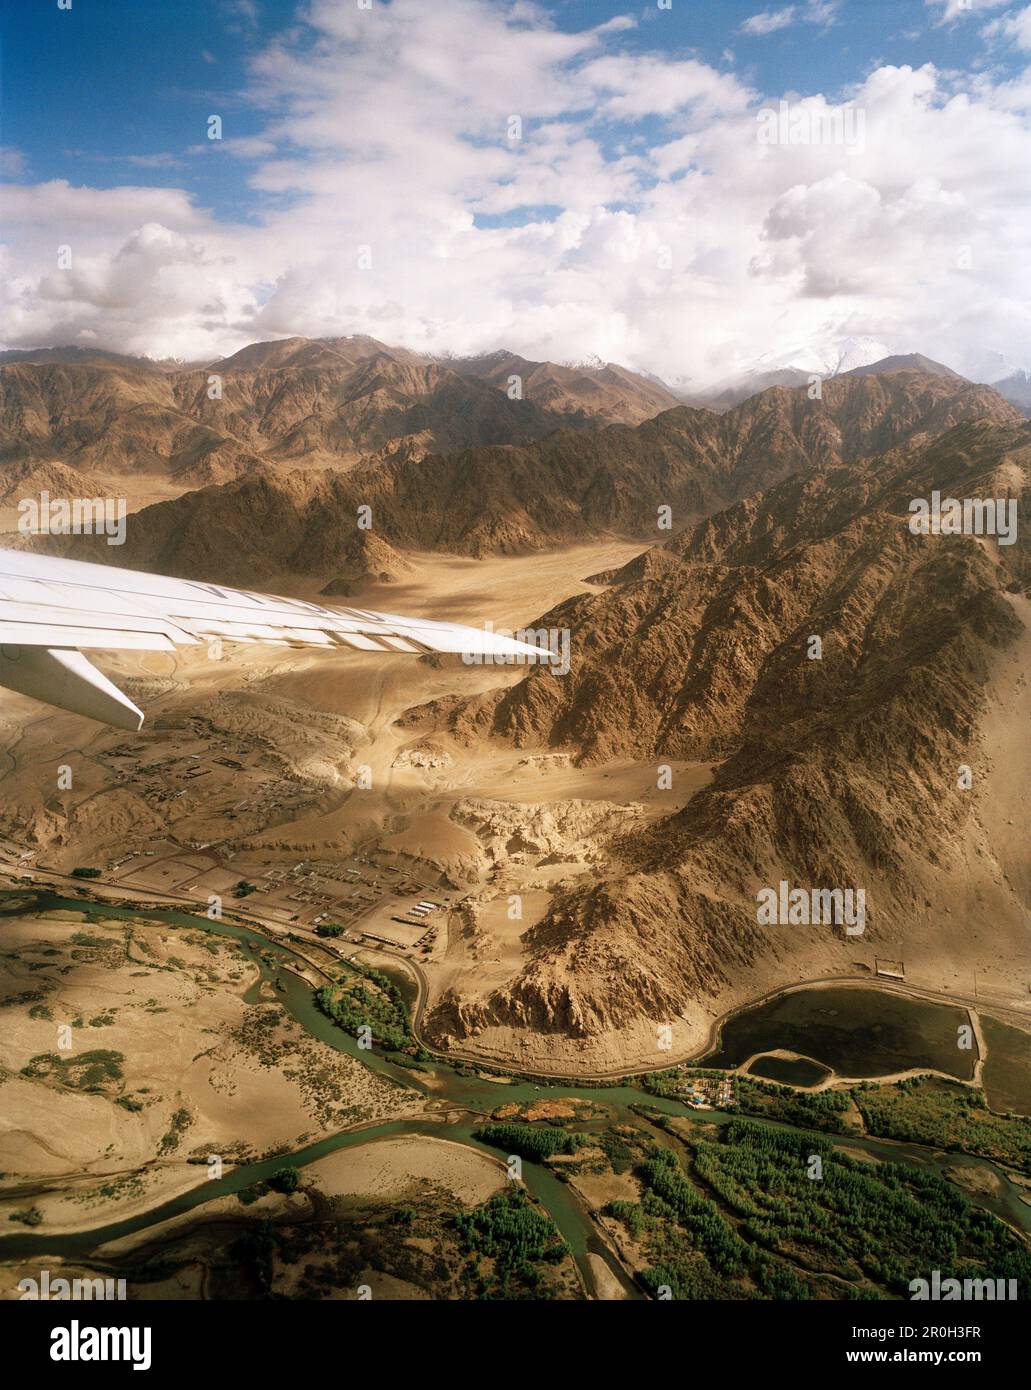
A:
247,765
134,1055
563,862
511,875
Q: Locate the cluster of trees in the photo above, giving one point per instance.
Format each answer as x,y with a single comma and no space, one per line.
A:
630,1213
177,1127
528,1141
516,1237
367,997
876,1226
887,1223
286,1179
695,1253
27,1216
722,1247
945,1115
84,1070
781,1142
810,1109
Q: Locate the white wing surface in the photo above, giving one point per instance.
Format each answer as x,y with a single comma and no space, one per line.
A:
52,609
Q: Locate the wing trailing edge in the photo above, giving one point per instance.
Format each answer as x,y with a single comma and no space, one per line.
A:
52,607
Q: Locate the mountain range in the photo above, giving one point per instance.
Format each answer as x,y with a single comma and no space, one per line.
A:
764,525
570,485
339,402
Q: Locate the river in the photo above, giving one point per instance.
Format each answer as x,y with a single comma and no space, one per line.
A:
470,1095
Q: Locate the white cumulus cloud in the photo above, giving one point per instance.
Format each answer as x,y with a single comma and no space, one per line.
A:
465,176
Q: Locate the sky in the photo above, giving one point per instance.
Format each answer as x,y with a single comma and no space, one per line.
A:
693,188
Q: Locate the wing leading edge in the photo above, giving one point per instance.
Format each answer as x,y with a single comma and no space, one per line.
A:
52,609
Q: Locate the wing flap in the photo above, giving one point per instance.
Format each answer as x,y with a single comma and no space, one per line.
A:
51,634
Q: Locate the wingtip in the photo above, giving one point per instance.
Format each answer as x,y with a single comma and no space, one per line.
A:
62,676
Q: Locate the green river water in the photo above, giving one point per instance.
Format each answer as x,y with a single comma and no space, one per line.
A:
469,1097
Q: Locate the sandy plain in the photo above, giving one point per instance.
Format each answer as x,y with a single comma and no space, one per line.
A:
166,1062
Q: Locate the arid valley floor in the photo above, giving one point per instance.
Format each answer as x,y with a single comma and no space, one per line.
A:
535,891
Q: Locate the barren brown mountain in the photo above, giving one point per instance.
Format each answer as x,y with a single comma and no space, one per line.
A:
29,479
841,770
724,398
339,402
606,393
569,486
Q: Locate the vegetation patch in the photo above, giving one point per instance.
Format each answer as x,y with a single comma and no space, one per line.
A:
765,1213
945,1115
172,1138
529,1141
27,1216
83,1071
366,998
515,1237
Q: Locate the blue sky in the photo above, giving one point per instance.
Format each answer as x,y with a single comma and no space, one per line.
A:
385,129
121,79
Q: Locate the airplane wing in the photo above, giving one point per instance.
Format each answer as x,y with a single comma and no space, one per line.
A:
52,609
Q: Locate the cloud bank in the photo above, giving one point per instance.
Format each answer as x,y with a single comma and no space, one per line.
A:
459,177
